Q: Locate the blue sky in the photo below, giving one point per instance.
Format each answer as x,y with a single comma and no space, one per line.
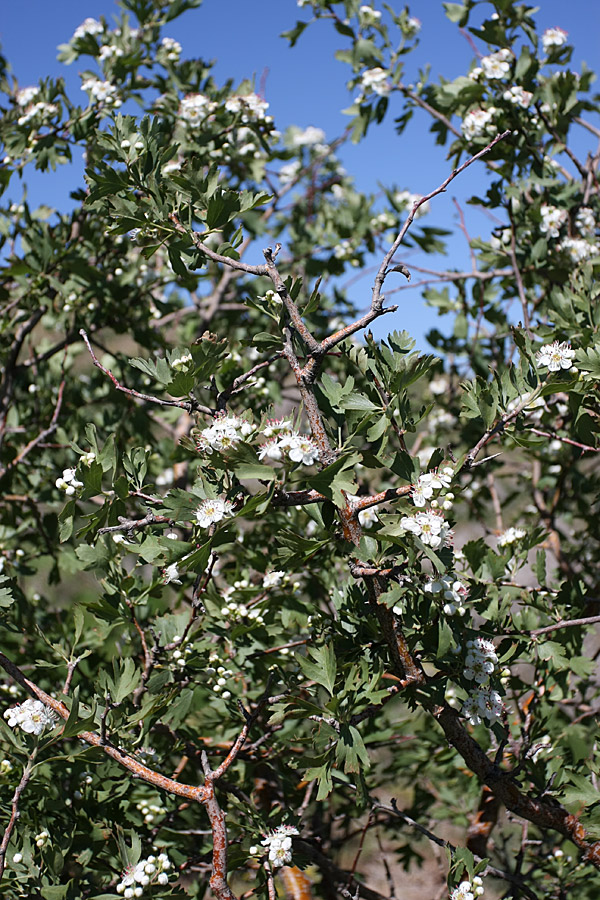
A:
304,86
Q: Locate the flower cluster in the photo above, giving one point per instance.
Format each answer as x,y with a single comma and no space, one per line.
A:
224,433
212,511
310,137
553,219
195,107
251,106
430,526
376,81
518,95
468,890
510,536
368,15
283,441
88,26
68,482
102,91
42,839
274,579
483,703
578,249
478,123
150,811
38,112
480,661
554,37
172,48
180,363
556,356
147,872
26,95
31,716
180,654
279,845
496,65
453,593
429,484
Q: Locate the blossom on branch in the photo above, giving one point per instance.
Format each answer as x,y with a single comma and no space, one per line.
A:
430,526
496,65
556,356
31,716
212,511
279,844
484,703
554,37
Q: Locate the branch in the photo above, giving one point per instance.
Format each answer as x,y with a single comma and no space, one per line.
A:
196,238
377,300
133,524
190,406
190,792
41,436
566,623
14,815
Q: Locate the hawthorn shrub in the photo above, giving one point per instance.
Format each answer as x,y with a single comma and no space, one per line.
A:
287,609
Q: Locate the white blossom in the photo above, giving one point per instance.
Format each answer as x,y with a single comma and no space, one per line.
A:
479,122
251,106
553,219
26,95
577,248
39,111
511,536
554,37
367,516
453,593
171,574
102,91
376,80
483,703
173,48
430,526
556,356
110,51
288,173
279,845
211,511
586,221
429,483
480,661
88,26
309,137
496,65
194,107
368,15
32,716
87,458
301,449
518,95
413,26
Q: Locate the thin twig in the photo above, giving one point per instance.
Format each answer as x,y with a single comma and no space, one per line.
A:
14,814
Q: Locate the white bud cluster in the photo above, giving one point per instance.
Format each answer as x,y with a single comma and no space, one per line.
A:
452,591
147,873
220,682
68,482
468,890
6,767
150,811
42,839
88,458
511,536
181,363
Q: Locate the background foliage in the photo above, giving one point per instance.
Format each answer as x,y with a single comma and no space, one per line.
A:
213,564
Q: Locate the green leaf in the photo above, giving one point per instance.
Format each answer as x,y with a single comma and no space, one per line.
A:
320,666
